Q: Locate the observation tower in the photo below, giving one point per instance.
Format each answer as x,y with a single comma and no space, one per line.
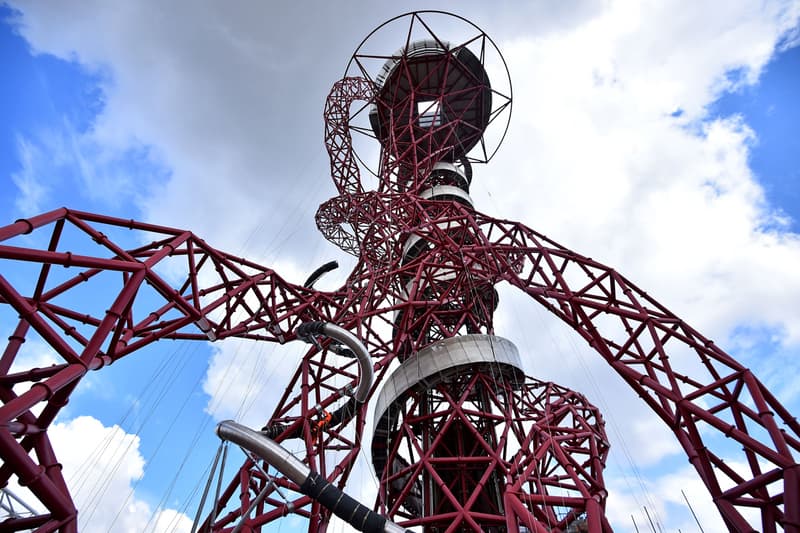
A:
403,359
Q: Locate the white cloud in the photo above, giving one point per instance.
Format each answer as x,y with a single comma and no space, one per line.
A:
34,353
231,98
668,506
59,162
101,465
242,377
670,202
28,180
231,101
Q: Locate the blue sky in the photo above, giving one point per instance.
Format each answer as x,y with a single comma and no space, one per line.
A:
44,100
94,119
772,110
31,103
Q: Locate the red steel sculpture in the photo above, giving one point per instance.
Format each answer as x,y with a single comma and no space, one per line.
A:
461,438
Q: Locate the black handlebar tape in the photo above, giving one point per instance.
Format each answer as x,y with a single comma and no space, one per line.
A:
306,329
348,509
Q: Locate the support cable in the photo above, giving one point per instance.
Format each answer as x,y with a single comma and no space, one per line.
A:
208,486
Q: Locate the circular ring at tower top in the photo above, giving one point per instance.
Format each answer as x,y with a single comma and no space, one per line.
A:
431,98
433,94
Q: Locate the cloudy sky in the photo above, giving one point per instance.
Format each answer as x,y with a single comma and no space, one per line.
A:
660,138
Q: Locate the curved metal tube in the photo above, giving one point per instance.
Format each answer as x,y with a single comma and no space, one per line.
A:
351,341
344,413
321,271
310,483
266,448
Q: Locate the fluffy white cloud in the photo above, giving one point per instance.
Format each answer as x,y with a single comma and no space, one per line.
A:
670,201
610,152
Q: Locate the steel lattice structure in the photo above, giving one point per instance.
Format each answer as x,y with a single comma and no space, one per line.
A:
462,438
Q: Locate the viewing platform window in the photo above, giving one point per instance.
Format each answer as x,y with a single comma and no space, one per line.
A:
429,114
